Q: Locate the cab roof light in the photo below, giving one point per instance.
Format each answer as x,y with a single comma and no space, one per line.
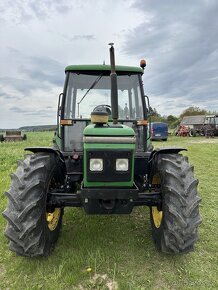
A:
142,63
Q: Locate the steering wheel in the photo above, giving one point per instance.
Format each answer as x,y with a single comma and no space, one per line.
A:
106,108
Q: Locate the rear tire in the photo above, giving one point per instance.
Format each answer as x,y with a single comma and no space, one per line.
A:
192,133
32,228
174,225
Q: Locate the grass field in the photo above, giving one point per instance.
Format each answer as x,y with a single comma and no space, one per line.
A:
116,252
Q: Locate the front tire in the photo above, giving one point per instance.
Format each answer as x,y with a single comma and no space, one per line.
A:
33,228
174,225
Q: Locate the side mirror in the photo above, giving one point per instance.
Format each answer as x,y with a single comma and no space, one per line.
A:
59,114
148,107
59,102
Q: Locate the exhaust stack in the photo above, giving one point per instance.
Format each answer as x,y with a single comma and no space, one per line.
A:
114,89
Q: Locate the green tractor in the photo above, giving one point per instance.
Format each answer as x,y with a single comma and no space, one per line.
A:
102,160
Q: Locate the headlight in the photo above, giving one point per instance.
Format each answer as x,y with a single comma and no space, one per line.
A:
96,164
122,164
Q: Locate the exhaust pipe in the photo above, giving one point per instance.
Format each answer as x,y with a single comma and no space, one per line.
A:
114,89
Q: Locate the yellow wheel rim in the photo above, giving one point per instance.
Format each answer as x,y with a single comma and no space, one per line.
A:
53,218
156,214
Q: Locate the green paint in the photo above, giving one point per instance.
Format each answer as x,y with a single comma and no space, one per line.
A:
90,146
108,146
58,140
91,130
97,67
128,184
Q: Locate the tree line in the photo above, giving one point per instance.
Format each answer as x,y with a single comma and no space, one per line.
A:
174,121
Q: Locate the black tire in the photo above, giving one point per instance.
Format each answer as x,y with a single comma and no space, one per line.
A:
24,137
192,133
28,230
1,138
177,228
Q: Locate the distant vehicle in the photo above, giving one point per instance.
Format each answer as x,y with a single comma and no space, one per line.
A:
211,126
193,123
13,135
159,131
183,131
208,129
199,125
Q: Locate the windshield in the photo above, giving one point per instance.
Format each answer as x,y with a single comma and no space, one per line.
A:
85,92
211,120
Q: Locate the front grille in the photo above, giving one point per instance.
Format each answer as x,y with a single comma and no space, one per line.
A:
109,173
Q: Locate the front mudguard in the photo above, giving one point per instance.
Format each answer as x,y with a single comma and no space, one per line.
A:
47,150
156,152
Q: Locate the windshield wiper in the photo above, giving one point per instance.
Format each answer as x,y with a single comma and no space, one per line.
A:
91,87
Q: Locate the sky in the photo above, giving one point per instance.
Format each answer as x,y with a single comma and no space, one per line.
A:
38,39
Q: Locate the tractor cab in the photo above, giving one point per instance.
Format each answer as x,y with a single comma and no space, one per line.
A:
88,89
211,122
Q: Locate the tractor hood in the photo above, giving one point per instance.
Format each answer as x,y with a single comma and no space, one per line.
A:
108,130
110,133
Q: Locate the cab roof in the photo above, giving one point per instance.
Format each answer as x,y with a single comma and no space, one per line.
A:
103,67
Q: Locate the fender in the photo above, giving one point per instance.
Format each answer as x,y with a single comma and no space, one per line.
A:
166,150
48,150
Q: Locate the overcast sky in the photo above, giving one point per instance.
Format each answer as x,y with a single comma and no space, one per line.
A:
179,40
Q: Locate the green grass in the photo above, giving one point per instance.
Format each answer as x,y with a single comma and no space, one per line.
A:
117,249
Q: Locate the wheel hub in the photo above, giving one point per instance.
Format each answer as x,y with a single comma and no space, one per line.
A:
157,216
53,218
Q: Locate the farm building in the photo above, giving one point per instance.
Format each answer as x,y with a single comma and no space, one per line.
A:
198,125
193,121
